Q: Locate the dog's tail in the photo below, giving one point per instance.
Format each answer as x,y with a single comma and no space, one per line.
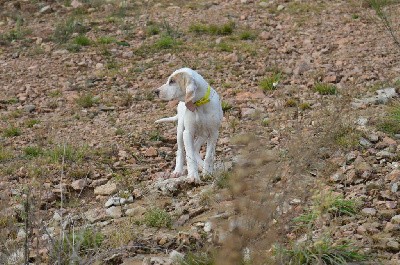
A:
175,118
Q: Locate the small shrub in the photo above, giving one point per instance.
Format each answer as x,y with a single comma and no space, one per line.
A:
270,82
12,131
157,218
33,151
82,40
325,89
86,100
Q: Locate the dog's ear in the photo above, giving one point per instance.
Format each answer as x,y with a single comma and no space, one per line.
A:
187,83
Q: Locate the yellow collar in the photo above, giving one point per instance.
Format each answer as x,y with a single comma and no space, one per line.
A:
204,99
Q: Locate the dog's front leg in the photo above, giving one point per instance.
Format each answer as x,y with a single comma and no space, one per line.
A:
188,139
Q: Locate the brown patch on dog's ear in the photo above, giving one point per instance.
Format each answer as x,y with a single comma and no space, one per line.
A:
186,83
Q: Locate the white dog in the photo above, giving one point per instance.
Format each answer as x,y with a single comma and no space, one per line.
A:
199,118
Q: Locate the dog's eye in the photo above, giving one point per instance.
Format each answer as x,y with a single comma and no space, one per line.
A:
171,81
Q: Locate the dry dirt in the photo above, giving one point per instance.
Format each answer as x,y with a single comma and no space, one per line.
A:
77,128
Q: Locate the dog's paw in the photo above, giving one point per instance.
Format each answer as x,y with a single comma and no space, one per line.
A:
193,180
176,174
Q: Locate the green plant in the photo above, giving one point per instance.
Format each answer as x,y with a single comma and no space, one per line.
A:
119,131
65,29
378,6
165,42
17,33
73,246
335,204
82,40
291,102
156,136
223,179
346,136
226,106
31,123
225,29
305,106
157,217
153,29
4,154
225,47
67,152
323,251
12,131
391,123
33,151
270,82
325,89
197,259
86,100
106,40
247,35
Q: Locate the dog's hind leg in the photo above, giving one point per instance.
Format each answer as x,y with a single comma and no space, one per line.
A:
210,154
198,142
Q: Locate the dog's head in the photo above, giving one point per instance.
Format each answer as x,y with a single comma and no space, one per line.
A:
181,85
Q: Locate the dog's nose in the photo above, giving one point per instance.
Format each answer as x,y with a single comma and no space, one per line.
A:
157,92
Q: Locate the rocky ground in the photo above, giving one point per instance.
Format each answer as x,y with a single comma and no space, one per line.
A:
310,161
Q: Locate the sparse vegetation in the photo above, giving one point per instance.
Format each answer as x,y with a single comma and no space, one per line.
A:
270,82
66,28
305,106
32,122
82,40
197,259
347,136
33,151
166,42
322,251
212,29
12,131
325,89
391,123
226,106
4,154
87,100
157,217
67,152
106,40
247,35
